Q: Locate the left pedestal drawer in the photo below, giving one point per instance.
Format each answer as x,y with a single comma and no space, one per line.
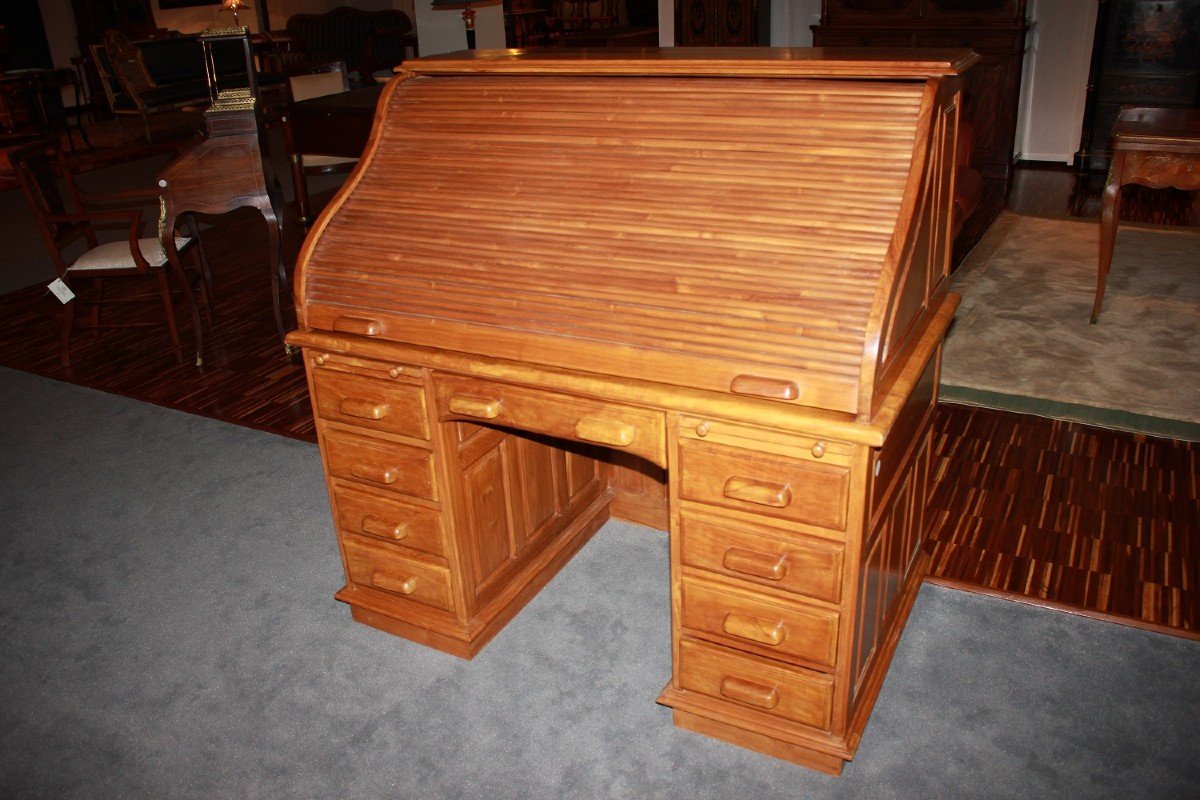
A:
384,465
377,405
375,566
362,511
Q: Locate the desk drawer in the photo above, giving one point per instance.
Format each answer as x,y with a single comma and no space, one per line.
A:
791,693
801,565
385,465
764,484
377,405
625,428
373,566
768,628
362,512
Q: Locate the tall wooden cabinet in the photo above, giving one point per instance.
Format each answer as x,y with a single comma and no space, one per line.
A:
1146,53
995,29
716,22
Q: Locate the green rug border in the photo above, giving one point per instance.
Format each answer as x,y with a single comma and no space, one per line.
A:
1111,418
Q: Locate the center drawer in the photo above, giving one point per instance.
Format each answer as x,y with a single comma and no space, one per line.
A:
625,428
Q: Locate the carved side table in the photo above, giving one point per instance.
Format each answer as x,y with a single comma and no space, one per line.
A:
1154,147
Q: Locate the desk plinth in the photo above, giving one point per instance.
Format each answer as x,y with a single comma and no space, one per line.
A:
561,288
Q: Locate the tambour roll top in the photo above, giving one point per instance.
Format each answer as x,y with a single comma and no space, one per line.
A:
765,222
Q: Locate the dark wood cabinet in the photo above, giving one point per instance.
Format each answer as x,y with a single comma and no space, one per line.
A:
1146,53
993,28
700,23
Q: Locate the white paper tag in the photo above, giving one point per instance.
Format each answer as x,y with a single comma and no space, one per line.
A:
61,291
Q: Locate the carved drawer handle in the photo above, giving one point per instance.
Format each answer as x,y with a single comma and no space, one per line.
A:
374,472
478,407
606,431
378,526
754,629
749,692
758,386
390,583
359,325
364,409
760,565
760,493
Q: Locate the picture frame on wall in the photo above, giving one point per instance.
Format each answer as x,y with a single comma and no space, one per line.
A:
170,4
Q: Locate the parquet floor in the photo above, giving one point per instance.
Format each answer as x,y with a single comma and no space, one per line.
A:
1092,521
1101,522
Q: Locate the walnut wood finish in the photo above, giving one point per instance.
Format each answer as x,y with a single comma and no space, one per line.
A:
557,280
1154,147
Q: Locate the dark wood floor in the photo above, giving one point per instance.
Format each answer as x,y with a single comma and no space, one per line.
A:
1060,514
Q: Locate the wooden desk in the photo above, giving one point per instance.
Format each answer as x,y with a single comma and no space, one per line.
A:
564,286
1155,147
331,125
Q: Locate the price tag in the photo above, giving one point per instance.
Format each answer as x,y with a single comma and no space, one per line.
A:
61,291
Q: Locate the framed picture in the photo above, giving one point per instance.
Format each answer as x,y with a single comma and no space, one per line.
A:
169,4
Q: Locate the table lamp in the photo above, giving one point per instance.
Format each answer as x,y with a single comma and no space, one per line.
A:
234,6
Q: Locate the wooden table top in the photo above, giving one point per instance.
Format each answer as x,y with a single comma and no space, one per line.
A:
1157,126
355,101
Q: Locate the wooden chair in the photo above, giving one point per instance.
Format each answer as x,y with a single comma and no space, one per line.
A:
64,218
308,82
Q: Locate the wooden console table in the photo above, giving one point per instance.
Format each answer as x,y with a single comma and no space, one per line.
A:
564,286
1154,147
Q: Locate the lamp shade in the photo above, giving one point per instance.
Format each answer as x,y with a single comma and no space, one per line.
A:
234,5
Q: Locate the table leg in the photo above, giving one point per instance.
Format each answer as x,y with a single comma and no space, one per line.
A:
1110,214
278,271
166,235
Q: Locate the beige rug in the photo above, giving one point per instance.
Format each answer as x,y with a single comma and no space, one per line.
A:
1021,339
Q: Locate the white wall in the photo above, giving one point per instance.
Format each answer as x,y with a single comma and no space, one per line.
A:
1054,84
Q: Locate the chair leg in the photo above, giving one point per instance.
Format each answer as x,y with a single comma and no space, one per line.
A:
98,284
164,289
68,322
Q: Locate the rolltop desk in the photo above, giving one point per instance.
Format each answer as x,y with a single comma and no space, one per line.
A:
703,290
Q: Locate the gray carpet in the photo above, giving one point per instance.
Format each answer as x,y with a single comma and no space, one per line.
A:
169,632
1022,330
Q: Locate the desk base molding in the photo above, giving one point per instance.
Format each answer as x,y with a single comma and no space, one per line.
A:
804,756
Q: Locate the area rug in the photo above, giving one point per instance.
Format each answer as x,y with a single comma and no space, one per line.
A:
1022,341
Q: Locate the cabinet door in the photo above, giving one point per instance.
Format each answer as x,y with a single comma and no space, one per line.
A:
735,22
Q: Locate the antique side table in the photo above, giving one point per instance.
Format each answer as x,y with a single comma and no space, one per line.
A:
1154,147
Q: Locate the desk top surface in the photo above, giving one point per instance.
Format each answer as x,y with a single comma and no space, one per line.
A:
1157,126
355,101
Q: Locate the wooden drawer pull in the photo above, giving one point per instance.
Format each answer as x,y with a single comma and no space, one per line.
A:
759,386
374,472
478,407
749,692
606,431
390,583
359,325
754,629
364,409
760,493
760,565
378,526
